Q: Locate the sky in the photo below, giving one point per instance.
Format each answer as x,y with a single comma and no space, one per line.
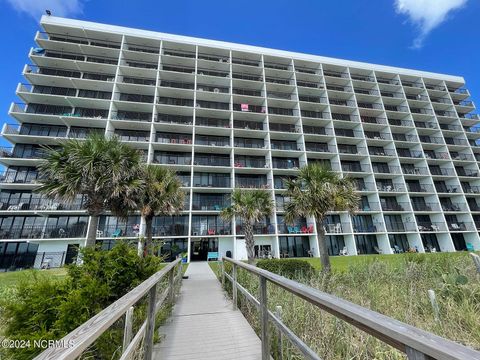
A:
433,35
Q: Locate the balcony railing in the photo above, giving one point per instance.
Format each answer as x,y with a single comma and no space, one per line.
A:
461,226
426,207
249,108
284,127
43,232
337,228
378,227
251,183
317,130
395,187
212,161
313,99
174,119
318,147
420,188
132,116
285,164
250,163
400,226
415,171
248,125
211,230
258,229
22,153
209,204
19,177
471,189
431,226
373,120
40,204
454,207
170,230
442,171
399,206
450,189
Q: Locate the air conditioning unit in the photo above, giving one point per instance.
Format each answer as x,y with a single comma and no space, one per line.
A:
216,90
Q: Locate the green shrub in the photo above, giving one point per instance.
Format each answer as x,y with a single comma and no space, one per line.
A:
45,308
290,268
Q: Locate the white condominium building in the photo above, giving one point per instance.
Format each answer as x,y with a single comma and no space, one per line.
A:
226,116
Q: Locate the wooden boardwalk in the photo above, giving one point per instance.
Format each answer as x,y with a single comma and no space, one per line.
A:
204,325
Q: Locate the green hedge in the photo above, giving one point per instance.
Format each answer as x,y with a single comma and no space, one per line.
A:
290,268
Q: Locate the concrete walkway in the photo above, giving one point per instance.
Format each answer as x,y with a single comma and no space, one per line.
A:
203,325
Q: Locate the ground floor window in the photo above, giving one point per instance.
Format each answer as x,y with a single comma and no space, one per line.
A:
171,248
459,242
366,244
294,246
17,255
335,243
399,243
430,242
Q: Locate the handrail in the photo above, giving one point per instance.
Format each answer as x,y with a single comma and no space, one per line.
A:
84,335
416,343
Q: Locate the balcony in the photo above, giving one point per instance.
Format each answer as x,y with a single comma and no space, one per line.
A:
450,189
415,170
211,230
464,157
381,152
80,40
284,128
284,145
319,147
247,92
313,114
278,163
415,154
404,137
339,88
397,108
278,80
396,206
181,69
442,171
397,122
177,84
309,84
141,64
392,94
431,226
313,99
445,113
280,111
212,160
208,72
362,77
345,117
378,227
249,143
383,80
132,116
454,207
211,180
420,188
137,98
44,232
179,229
295,228
137,80
386,169
366,105
337,228
174,119
203,104
280,95
169,138
205,203
249,108
400,226
340,102
40,203
251,182
248,125
174,101
245,76
361,168
425,206
316,130
466,172
209,140
115,231
373,120
140,136
19,177
461,226
250,162
390,187
172,158
261,228
21,152
377,135
471,189
337,74
417,97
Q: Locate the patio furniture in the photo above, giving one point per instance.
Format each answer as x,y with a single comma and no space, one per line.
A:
212,255
343,252
436,228
210,232
99,233
470,247
117,233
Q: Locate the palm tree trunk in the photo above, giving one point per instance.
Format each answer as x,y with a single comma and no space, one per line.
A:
322,247
92,231
249,242
148,235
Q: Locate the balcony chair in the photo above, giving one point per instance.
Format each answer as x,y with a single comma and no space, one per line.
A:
436,228
117,233
343,252
470,247
99,233
210,232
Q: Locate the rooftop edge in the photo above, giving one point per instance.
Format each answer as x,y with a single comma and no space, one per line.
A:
122,30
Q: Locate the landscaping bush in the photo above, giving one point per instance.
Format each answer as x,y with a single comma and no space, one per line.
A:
290,268
46,308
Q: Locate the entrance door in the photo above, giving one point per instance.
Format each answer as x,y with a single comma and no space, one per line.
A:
72,251
201,247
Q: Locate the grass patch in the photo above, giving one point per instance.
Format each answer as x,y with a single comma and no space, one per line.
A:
394,285
11,278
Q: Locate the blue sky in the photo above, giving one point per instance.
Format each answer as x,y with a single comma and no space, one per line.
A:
434,35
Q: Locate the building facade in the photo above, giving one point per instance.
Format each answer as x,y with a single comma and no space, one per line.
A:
225,115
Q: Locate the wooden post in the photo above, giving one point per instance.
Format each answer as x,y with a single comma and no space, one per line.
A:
234,287
476,261
152,301
278,314
171,286
433,301
413,354
223,274
127,332
264,319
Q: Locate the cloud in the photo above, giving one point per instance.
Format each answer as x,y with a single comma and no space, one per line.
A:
427,14
36,8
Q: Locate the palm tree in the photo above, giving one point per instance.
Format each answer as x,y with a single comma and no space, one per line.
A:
250,206
103,170
316,191
161,195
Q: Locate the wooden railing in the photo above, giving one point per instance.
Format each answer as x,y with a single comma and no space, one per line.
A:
415,343
86,334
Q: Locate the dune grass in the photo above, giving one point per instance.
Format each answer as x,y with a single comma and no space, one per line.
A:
394,285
